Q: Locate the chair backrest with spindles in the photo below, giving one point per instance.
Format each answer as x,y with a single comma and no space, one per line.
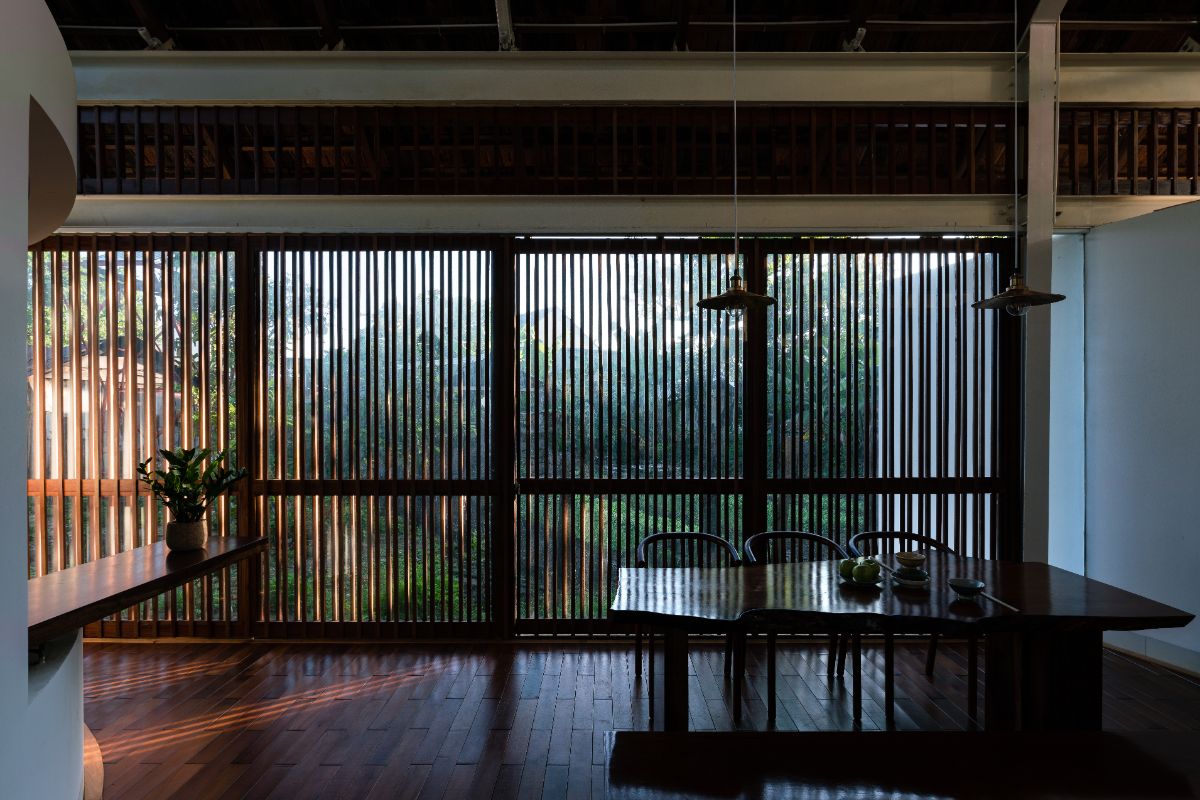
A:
879,542
686,549
779,547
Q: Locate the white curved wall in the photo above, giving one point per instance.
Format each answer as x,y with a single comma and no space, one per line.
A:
41,738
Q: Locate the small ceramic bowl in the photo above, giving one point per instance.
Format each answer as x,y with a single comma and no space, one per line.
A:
911,559
966,587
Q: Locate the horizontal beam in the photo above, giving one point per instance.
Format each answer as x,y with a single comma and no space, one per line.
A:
147,77
586,215
1165,79
222,78
538,215
1085,213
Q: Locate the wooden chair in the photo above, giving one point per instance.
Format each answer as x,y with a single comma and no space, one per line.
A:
878,542
692,549
778,547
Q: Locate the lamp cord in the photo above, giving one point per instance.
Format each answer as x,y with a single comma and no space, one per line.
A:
737,268
1016,165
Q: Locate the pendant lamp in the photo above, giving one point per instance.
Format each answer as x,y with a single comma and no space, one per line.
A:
1018,298
736,297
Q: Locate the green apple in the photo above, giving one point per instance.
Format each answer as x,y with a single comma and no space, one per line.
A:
846,567
866,572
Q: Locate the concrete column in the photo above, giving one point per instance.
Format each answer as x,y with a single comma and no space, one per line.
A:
1041,84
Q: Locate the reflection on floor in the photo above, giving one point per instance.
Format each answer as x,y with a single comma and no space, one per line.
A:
477,720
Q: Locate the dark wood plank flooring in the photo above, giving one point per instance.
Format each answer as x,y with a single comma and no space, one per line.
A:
526,719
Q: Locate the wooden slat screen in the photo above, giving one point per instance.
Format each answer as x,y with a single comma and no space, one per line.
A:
372,479
629,413
868,398
588,150
131,349
883,388
469,435
1115,150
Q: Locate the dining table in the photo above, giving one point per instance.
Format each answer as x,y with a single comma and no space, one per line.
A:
1042,626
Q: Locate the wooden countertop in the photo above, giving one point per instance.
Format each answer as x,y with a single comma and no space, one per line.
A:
71,598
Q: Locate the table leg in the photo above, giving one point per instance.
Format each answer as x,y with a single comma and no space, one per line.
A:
739,672
249,601
973,679
670,703
1002,694
1061,688
1043,680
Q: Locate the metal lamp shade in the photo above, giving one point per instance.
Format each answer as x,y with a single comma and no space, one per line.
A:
736,298
1018,298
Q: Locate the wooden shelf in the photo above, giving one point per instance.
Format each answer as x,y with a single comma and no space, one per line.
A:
71,598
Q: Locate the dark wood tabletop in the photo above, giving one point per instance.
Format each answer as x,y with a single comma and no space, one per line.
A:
71,598
810,595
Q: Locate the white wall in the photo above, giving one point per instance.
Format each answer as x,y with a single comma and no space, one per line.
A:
41,735
1143,417
1067,445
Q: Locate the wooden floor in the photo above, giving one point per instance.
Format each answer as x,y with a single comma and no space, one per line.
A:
479,720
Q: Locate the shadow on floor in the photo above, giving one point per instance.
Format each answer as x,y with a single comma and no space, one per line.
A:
908,765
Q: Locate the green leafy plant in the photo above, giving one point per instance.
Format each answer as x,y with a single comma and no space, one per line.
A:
187,487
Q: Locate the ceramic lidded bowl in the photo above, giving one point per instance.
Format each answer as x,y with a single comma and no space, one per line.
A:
913,560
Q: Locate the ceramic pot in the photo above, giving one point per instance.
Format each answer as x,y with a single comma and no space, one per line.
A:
187,535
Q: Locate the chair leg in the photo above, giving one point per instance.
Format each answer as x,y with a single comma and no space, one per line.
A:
650,671
973,678
841,660
831,669
727,666
889,684
739,672
931,655
771,677
856,643
637,650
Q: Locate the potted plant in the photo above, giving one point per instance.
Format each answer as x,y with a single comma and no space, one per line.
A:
187,488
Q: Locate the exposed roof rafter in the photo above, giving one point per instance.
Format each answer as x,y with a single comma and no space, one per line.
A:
153,32
331,36
504,26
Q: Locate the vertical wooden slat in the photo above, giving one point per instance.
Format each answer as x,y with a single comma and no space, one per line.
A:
95,523
503,427
247,272
40,557
1134,157
1193,181
754,399
1173,138
111,416
74,462
295,335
